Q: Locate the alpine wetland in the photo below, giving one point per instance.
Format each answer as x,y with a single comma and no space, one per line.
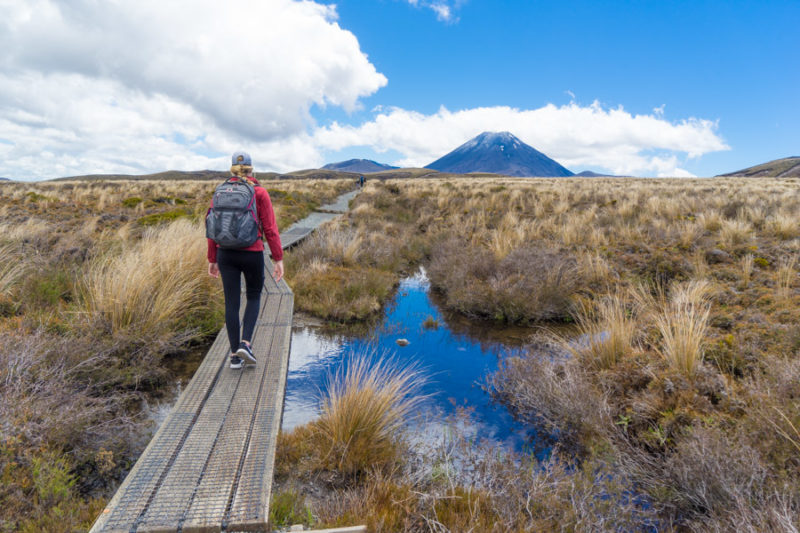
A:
669,397
407,266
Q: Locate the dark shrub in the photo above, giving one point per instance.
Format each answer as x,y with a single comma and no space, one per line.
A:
530,283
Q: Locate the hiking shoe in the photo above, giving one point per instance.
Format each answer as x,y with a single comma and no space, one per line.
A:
236,361
246,353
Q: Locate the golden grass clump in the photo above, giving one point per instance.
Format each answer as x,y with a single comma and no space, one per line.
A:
785,227
735,232
152,286
11,269
682,321
747,270
606,334
365,405
785,276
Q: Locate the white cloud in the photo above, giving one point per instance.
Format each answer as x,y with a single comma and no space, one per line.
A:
444,9
574,135
143,85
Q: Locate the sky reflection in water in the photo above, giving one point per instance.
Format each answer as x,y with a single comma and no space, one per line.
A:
455,364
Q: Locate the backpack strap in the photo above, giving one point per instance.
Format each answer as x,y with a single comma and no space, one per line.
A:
237,179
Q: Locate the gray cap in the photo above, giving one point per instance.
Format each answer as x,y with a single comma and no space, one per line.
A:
241,158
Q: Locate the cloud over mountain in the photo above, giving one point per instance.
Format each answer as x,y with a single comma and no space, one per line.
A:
575,135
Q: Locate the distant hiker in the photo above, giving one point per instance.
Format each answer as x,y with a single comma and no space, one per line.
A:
243,213
361,181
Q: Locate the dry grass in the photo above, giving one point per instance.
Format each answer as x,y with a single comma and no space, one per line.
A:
530,283
606,334
784,226
786,275
688,394
11,269
455,485
747,270
365,404
152,287
682,321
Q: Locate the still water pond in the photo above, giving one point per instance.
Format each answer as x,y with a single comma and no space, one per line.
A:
456,357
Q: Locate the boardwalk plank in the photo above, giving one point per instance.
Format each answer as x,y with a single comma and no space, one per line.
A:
215,490
177,488
133,495
251,502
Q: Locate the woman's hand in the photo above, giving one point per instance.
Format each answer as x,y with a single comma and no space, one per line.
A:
213,270
277,273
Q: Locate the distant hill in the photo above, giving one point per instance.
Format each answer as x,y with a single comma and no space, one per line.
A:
166,175
788,167
363,166
5,179
218,175
590,174
499,153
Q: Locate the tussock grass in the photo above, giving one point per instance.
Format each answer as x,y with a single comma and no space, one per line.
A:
733,232
786,275
747,270
785,227
596,269
706,446
605,335
682,321
365,405
11,269
153,286
527,284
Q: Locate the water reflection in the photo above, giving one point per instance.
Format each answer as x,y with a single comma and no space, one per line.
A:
456,363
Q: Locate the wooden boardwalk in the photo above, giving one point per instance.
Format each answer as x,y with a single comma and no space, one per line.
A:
209,466
302,229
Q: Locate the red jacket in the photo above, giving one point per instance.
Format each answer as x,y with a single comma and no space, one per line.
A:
268,230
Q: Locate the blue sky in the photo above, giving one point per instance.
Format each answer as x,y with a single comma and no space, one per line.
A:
642,88
732,62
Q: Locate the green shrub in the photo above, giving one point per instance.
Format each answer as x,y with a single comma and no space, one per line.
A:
47,289
132,201
530,283
162,218
343,294
52,479
35,196
287,507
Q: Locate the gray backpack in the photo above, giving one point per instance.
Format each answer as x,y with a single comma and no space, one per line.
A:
232,221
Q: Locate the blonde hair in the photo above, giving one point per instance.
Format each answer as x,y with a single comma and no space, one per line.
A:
242,171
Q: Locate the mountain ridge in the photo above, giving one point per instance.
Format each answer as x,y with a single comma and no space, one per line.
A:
787,167
591,174
364,166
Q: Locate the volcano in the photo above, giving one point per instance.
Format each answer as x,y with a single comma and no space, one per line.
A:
499,153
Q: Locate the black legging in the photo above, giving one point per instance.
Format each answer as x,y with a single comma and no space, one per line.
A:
232,263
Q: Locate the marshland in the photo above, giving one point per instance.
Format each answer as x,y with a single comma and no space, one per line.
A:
670,401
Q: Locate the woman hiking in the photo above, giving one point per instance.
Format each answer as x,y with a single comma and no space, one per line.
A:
232,262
